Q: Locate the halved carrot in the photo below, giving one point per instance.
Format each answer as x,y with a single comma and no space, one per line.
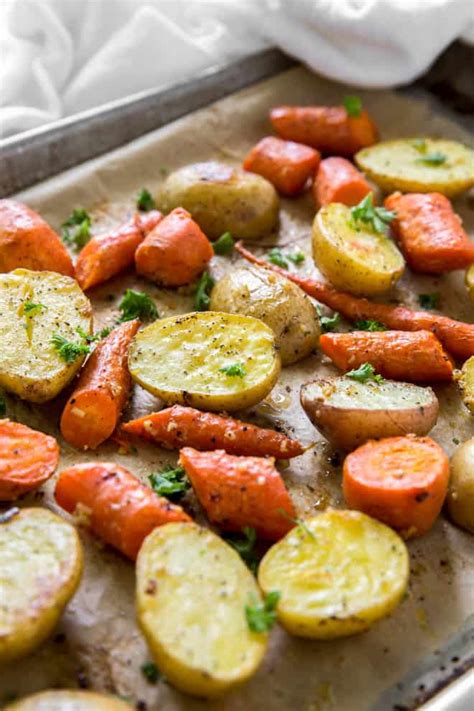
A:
92,412
240,491
175,252
286,164
108,254
412,357
26,240
27,459
328,128
456,336
401,481
337,180
179,426
430,233
117,507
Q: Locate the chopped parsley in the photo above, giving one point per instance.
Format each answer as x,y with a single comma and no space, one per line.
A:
137,304
245,547
329,323
170,482
203,289
353,106
456,440
92,338
224,245
150,672
30,309
296,257
428,301
236,369
363,373
145,201
67,350
376,218
435,158
262,616
275,256
75,231
369,325
419,144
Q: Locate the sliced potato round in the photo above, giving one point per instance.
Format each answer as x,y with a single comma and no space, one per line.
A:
222,198
30,366
348,413
211,360
469,281
419,165
192,589
68,700
337,574
461,486
41,557
354,258
466,383
276,301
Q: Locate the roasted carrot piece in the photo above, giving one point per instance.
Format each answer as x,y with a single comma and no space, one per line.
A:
26,240
401,481
27,459
456,336
108,254
179,426
92,412
430,233
328,128
175,252
413,357
240,491
337,180
118,508
286,164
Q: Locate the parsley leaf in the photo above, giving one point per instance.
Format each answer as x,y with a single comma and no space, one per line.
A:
150,672
377,218
428,301
363,373
67,350
419,144
245,547
275,256
137,304
296,257
30,309
236,369
170,482
75,232
369,325
203,289
262,616
435,158
353,106
224,245
329,323
145,201
92,338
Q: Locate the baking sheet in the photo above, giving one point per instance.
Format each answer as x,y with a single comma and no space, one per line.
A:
97,642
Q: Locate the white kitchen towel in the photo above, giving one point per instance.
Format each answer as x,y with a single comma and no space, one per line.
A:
59,57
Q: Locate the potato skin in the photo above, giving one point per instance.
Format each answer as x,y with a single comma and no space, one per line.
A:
276,301
469,281
222,198
466,383
68,700
360,417
461,486
42,564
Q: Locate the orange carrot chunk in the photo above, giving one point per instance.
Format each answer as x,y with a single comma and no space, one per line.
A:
328,128
430,233
28,242
337,180
93,410
412,357
175,252
240,491
401,481
456,336
179,426
119,509
27,459
286,164
108,254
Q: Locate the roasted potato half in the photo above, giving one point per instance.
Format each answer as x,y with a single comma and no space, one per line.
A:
461,486
276,301
41,557
352,257
68,700
337,574
419,165
348,413
466,383
222,198
34,307
211,360
469,281
192,589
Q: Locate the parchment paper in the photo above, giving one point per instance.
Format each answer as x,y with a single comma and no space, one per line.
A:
97,642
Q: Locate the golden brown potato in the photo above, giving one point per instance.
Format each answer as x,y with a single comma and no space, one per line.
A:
69,700
466,383
461,486
222,198
469,281
277,302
